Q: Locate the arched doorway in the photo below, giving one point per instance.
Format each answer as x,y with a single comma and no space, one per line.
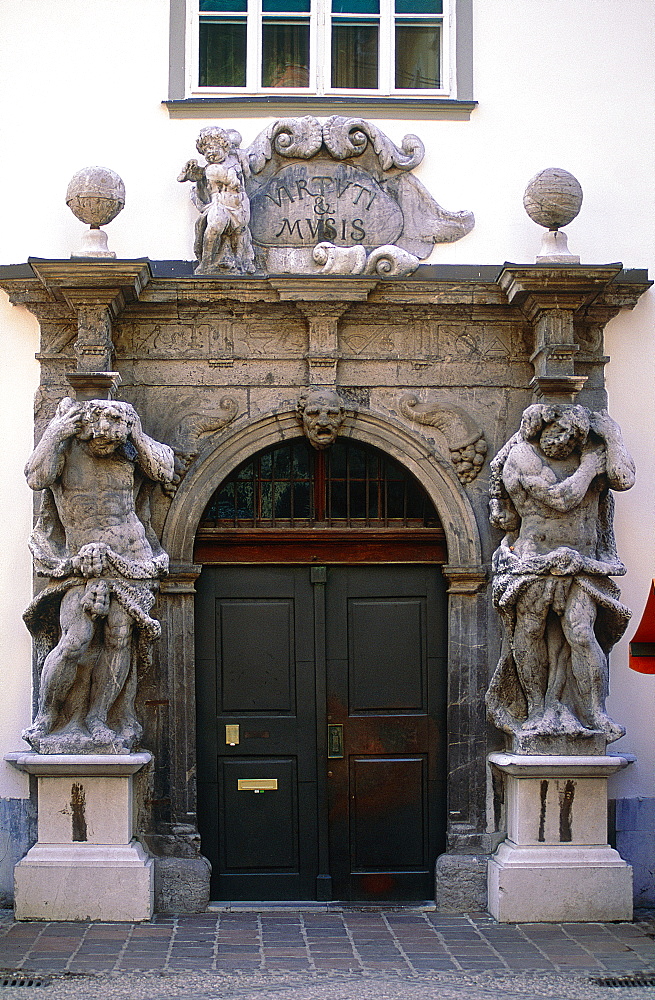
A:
321,677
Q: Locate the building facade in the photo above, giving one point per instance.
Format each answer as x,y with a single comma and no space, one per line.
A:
380,545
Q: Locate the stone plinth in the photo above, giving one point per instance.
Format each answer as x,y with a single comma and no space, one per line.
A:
86,864
555,863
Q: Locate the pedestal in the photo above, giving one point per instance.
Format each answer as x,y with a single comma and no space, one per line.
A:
555,864
86,864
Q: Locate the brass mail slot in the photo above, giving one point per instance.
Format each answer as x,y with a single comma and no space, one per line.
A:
257,784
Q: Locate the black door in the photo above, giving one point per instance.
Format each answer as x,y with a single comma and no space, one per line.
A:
333,784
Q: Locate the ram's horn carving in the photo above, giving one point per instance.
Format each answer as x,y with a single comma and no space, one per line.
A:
301,137
465,439
391,262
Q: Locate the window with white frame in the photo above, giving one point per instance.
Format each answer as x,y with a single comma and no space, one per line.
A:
366,47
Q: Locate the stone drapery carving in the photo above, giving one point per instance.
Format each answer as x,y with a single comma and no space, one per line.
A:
321,413
550,492
465,439
222,240
93,541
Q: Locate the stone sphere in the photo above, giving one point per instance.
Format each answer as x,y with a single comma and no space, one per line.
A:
553,198
95,195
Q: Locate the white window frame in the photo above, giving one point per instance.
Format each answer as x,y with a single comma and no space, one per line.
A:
320,55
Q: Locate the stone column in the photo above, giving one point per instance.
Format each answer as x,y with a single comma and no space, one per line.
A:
461,873
182,873
554,590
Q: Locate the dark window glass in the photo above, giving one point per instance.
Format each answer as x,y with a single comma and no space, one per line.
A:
224,6
285,6
223,53
417,55
349,483
301,501
285,53
355,6
419,7
355,54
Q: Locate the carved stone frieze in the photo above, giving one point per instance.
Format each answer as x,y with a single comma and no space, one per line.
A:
465,439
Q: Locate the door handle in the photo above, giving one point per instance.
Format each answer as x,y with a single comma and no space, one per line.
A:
335,742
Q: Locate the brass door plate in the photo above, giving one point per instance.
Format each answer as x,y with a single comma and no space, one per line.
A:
232,735
335,742
257,784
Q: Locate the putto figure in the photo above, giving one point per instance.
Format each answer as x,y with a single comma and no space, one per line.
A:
321,412
93,540
222,242
550,491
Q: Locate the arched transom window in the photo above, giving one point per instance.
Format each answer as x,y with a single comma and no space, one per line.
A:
350,485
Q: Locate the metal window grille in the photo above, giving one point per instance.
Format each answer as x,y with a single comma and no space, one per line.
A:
348,485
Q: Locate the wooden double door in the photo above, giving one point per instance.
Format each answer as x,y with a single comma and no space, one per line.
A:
321,736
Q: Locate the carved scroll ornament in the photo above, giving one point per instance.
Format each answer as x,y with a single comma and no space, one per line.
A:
465,439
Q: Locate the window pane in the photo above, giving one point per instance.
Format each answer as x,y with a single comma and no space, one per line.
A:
301,501
356,6
300,461
282,500
354,55
285,46
419,7
223,53
417,55
245,500
285,6
225,6
282,462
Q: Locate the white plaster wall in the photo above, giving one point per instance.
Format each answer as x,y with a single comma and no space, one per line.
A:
19,378
567,83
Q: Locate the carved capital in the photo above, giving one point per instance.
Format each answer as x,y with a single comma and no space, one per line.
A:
465,579
181,578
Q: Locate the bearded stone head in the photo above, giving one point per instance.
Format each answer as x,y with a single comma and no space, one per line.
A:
322,413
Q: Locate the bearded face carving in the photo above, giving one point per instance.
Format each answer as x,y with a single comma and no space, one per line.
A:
321,413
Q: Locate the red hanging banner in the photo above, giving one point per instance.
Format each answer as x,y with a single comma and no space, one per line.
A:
642,645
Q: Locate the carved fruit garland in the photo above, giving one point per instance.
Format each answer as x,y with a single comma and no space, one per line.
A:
465,439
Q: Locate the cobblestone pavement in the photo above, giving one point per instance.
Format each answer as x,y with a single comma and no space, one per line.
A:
396,942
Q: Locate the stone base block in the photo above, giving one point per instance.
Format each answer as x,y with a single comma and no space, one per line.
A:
182,885
85,882
461,883
559,884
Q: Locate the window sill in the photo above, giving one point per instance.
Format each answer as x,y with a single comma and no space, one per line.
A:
434,108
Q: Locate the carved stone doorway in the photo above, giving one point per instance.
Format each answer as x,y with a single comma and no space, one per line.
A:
321,679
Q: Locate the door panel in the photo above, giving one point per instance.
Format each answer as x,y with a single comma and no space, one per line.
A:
386,686
255,669
371,641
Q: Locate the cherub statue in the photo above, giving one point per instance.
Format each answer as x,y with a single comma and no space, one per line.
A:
222,241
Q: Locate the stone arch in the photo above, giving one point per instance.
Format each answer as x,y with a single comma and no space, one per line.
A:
220,457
